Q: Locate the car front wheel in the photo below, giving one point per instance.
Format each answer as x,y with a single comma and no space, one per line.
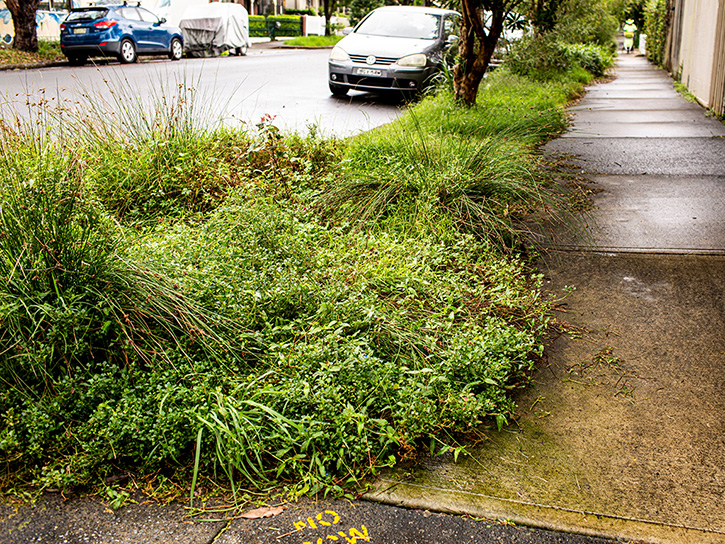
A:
176,50
128,52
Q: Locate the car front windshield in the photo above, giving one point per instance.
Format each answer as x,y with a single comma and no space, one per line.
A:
86,15
398,24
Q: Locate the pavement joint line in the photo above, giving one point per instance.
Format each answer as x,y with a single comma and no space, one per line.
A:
561,508
638,251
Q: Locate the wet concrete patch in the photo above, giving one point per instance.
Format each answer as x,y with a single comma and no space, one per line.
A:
645,104
615,129
645,156
656,214
633,116
621,433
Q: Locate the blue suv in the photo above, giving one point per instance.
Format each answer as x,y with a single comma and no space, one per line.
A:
120,31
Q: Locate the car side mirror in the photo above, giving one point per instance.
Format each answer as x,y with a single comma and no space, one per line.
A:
347,31
162,20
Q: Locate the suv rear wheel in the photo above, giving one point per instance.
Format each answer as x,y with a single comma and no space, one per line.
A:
128,52
176,50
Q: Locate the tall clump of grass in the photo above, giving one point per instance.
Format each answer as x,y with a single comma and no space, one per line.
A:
441,164
163,155
68,296
482,184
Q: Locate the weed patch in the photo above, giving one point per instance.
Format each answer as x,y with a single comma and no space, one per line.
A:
244,308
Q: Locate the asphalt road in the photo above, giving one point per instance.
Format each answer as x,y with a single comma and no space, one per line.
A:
88,520
289,84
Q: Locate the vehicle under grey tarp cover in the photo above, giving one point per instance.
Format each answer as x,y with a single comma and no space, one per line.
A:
211,29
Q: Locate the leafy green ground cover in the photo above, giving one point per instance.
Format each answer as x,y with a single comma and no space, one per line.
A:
192,303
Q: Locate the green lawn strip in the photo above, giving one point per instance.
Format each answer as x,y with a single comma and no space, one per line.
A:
313,41
220,280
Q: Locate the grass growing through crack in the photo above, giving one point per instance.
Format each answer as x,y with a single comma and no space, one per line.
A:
228,305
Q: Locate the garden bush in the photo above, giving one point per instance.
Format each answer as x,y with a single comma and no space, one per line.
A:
546,58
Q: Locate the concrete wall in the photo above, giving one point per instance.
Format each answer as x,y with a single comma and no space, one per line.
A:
697,49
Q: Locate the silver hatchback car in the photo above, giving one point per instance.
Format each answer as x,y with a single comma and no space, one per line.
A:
394,48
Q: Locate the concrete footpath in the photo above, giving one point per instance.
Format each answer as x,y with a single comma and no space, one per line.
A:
623,432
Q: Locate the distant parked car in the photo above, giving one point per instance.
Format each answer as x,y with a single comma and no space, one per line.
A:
120,31
211,29
392,48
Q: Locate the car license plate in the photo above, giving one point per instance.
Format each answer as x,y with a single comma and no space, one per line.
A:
369,72
80,30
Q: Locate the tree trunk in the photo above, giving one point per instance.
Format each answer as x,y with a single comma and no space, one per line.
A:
476,47
328,6
23,13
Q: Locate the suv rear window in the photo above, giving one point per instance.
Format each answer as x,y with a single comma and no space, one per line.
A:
86,15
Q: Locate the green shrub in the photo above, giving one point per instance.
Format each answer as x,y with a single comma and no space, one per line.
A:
595,59
367,340
655,27
541,58
545,58
581,21
289,25
257,26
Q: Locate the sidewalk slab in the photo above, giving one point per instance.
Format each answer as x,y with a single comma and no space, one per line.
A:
633,104
655,214
644,156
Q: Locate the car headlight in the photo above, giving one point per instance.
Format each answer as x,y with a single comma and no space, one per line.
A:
339,54
418,60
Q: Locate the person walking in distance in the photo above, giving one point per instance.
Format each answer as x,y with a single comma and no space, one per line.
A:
629,30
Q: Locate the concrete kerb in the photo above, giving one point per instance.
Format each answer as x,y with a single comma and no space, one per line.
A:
538,516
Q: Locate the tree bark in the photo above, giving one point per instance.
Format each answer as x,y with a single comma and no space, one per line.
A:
23,14
328,7
476,47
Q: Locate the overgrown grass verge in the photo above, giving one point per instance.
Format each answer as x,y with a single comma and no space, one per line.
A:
47,52
241,308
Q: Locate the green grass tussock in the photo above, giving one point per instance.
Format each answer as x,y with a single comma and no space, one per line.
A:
474,169
70,294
